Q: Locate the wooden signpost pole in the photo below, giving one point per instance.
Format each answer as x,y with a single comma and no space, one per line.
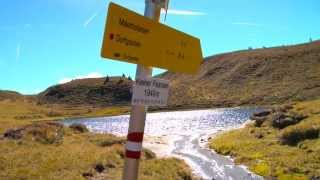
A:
138,112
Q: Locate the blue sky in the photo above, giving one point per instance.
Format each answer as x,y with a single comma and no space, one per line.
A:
44,42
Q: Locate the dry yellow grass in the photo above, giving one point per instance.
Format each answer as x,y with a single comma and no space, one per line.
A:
38,158
18,112
266,156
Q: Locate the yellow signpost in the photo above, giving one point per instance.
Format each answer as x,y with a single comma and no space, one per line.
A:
136,39
142,40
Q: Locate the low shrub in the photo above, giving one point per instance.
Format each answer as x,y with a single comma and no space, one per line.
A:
45,133
305,130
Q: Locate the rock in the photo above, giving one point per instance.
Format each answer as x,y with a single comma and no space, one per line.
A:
254,118
258,135
309,151
282,120
13,134
260,117
262,113
79,128
259,121
315,178
87,174
279,120
99,168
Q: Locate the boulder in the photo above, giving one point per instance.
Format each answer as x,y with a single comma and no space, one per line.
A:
262,113
258,135
99,168
13,134
260,117
258,121
281,120
87,174
79,128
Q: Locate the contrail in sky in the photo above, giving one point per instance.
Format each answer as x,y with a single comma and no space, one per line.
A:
90,19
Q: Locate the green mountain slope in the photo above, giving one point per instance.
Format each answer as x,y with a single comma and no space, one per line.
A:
94,91
262,76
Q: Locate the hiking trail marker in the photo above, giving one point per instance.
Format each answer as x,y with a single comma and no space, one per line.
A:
142,40
136,39
150,92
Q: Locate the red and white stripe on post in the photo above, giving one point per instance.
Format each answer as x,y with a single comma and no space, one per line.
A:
134,145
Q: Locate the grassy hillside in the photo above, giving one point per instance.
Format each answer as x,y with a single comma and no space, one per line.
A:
13,96
284,143
15,111
250,77
92,92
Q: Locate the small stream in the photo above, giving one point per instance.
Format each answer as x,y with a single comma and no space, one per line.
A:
184,134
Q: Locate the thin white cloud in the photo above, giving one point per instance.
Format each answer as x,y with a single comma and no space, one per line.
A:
246,24
18,51
183,12
90,75
90,19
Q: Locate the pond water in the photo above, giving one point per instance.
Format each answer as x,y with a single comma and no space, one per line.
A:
184,134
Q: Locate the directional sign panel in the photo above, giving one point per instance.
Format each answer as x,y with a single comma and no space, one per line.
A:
136,39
